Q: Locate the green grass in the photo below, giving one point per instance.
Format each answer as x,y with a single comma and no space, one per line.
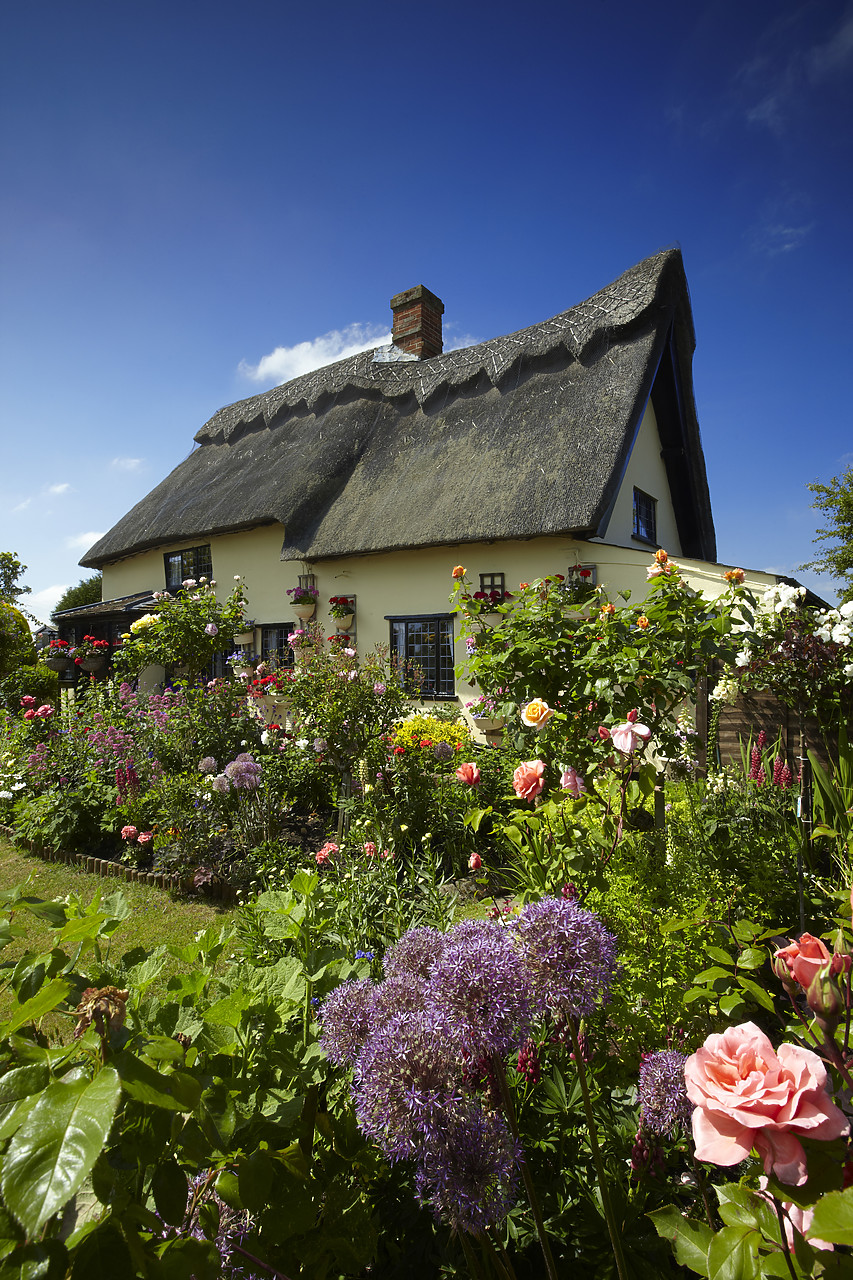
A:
156,916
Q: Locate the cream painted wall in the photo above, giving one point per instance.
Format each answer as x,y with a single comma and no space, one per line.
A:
645,471
410,583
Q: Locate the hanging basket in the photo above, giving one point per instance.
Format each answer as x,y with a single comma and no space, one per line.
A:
488,724
58,664
244,637
92,664
344,623
304,611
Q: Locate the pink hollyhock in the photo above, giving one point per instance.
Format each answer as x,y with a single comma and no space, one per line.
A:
572,782
629,736
129,833
469,774
749,1096
145,837
804,957
527,781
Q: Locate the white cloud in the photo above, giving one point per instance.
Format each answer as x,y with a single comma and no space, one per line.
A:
58,488
127,464
290,362
82,541
42,603
22,506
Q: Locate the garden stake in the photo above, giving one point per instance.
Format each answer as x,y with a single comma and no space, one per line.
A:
506,1099
615,1238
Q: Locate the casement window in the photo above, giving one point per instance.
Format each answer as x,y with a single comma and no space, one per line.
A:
193,562
424,649
274,646
645,517
493,582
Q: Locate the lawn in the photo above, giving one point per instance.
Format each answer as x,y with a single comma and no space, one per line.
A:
157,916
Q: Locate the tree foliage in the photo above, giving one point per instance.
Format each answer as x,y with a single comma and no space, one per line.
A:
835,500
11,569
87,591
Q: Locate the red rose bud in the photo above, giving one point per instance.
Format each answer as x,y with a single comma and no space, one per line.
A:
603,732
475,862
826,999
631,717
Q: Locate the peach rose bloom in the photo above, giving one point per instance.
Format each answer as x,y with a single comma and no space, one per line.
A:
469,774
804,957
536,714
459,571
527,781
748,1095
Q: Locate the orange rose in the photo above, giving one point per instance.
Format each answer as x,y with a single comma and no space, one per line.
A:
642,622
734,577
661,556
459,571
804,958
527,781
523,585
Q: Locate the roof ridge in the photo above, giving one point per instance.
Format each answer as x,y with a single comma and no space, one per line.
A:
608,311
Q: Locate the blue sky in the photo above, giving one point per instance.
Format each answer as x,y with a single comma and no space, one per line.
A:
191,191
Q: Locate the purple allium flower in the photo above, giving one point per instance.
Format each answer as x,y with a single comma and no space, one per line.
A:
346,1017
442,751
406,1082
211,629
401,993
234,1225
469,1172
569,955
207,765
661,1092
415,953
244,773
320,745
221,783
482,986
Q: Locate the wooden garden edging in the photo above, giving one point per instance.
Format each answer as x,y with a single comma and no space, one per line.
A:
222,892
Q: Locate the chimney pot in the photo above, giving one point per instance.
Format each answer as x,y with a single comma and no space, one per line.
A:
417,322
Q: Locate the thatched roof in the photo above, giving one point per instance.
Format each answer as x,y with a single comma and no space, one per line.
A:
513,438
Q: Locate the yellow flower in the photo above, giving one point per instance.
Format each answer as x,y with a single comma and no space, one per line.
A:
661,556
536,714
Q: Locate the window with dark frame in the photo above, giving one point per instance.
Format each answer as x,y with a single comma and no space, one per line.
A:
192,562
645,520
274,643
492,582
425,646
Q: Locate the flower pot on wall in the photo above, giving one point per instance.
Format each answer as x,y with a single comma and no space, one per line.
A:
304,611
92,664
488,724
344,623
244,637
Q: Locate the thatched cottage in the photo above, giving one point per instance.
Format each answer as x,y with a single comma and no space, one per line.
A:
572,442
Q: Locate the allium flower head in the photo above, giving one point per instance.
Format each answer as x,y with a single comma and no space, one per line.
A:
443,751
207,765
483,988
406,1082
415,953
469,1173
401,993
346,1020
569,955
662,1093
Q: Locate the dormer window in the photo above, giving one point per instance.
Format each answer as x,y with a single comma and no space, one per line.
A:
645,517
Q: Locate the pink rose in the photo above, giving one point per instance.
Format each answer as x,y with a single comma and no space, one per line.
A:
469,774
129,833
536,714
748,1095
804,957
145,837
28,701
572,782
29,714
475,862
527,781
629,736
44,711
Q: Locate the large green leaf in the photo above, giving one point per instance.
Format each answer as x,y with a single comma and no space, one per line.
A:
833,1218
733,1254
43,1002
56,1147
690,1240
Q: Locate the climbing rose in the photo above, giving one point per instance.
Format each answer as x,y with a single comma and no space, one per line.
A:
211,629
129,833
527,781
749,1095
536,714
459,571
469,774
804,958
572,782
627,737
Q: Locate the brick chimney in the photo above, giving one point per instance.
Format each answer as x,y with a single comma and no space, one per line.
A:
417,322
